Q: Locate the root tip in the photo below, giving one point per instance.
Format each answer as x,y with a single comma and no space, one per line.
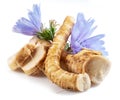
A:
83,82
98,68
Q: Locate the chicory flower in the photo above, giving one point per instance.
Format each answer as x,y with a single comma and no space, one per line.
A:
29,26
33,25
80,36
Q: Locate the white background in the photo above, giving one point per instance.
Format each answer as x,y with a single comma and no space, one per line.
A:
18,86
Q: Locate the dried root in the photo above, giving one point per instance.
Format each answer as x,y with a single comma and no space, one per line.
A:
77,71
22,57
90,61
30,57
53,70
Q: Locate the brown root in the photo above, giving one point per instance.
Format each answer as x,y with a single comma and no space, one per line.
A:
53,70
30,57
89,61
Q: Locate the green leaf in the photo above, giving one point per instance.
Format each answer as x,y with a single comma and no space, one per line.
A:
67,46
48,33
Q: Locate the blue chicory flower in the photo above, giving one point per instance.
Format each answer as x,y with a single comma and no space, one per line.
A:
29,26
80,36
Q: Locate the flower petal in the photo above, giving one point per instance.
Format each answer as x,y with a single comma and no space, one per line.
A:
24,26
29,26
76,47
101,49
80,36
86,31
78,27
35,16
92,40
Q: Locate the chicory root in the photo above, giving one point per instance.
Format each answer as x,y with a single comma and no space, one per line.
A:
30,57
90,61
54,72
